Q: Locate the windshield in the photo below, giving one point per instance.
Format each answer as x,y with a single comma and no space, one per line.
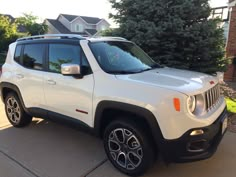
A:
121,57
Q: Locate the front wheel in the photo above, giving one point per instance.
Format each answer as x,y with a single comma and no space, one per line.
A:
128,147
15,112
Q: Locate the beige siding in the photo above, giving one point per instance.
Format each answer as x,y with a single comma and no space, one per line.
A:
78,21
65,22
102,24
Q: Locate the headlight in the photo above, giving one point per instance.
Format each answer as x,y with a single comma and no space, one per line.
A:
196,104
191,103
200,105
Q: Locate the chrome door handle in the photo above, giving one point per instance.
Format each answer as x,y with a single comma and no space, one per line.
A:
20,76
51,82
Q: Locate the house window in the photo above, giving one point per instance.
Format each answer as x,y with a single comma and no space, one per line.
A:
79,28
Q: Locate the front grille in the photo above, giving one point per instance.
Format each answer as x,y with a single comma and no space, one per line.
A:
212,96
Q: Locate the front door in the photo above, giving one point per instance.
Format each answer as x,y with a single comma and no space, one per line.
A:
68,95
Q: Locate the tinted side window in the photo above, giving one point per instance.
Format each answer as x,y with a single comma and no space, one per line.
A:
18,53
33,56
65,53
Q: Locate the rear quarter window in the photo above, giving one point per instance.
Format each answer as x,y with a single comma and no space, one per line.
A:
18,53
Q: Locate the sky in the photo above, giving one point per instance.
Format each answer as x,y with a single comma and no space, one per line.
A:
52,8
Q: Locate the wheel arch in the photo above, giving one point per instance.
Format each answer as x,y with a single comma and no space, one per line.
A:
107,111
6,88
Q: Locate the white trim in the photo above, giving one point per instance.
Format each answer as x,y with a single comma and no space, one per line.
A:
227,40
85,21
80,27
103,20
62,16
54,27
88,33
80,18
91,34
95,34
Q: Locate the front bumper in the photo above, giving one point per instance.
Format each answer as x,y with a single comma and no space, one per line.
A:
192,148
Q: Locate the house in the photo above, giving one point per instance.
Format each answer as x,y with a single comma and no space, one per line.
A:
74,24
228,16
20,28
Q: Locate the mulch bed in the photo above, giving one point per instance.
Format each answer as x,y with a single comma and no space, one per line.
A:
232,123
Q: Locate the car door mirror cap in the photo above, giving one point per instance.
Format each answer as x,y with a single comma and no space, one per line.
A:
71,70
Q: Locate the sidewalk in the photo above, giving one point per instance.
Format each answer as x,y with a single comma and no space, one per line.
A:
47,149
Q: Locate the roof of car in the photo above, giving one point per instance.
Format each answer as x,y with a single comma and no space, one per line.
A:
70,36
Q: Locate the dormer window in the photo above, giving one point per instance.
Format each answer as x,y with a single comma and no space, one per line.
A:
79,28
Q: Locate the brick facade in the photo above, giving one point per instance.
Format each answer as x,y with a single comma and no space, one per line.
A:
230,75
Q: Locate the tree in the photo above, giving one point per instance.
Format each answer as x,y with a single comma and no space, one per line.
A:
177,33
29,21
8,33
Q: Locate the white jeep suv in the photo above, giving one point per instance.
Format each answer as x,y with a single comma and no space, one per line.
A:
116,91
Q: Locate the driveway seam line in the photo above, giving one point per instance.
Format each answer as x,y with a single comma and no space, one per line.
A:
5,126
18,163
93,169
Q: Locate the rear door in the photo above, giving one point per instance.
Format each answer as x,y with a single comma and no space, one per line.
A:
67,95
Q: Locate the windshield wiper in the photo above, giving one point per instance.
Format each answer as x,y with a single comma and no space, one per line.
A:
151,68
154,66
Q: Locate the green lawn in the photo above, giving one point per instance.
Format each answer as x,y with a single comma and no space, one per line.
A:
231,105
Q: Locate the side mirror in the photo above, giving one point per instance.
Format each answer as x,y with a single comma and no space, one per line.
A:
71,70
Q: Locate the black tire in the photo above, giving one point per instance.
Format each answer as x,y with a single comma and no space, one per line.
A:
134,165
15,112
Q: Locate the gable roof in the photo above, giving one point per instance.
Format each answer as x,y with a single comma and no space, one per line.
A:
89,20
58,25
61,28
69,17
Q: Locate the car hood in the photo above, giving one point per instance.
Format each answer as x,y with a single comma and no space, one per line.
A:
187,82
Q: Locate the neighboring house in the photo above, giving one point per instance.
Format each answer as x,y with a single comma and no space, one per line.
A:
20,28
228,16
73,24
223,14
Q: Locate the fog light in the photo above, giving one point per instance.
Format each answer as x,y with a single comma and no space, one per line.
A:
198,146
197,132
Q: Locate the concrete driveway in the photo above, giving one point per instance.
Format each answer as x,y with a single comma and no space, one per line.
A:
47,149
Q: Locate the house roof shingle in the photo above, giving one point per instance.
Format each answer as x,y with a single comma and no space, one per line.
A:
69,17
91,31
59,26
90,20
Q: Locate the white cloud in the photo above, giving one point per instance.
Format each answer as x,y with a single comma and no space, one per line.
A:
51,8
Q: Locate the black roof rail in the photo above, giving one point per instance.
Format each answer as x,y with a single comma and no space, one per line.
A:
50,36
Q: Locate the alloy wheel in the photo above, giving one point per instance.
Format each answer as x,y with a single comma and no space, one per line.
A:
125,148
13,110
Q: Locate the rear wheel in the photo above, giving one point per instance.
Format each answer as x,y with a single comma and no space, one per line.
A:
128,147
15,112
